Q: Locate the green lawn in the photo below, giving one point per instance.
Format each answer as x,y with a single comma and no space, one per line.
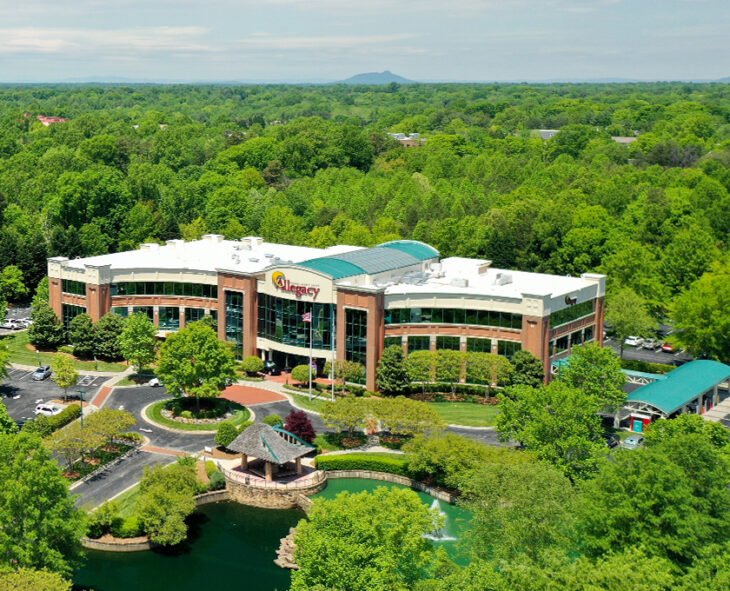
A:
127,501
468,414
19,353
315,404
136,379
154,413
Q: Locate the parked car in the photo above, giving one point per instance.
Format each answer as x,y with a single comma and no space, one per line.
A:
11,325
612,440
634,341
633,441
154,382
668,348
651,344
43,372
270,368
47,410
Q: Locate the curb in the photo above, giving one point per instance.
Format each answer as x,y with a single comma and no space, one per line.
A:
471,428
149,421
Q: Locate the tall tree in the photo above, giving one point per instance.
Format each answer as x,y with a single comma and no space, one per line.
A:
26,579
7,424
392,376
41,527
626,312
528,369
106,336
64,373
12,287
46,332
193,362
137,341
597,371
81,335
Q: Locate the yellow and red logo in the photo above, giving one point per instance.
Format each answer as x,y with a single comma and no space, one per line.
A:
281,282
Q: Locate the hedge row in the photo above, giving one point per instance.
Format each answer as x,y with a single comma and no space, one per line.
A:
393,465
645,366
44,426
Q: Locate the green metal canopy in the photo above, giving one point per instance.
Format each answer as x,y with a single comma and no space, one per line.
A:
384,257
682,385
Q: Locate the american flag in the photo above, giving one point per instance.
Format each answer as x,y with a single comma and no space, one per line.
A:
307,317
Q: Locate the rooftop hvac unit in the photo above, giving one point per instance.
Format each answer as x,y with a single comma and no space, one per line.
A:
436,267
460,282
503,279
253,259
268,255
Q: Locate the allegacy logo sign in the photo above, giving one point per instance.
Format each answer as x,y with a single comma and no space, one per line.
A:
283,284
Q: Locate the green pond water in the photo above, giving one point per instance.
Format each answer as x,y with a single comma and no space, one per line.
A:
231,546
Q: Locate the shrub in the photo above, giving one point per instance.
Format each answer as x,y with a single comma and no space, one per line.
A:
393,441
244,426
252,365
104,519
301,374
44,426
217,481
131,436
376,463
186,414
68,349
127,528
273,420
210,467
645,366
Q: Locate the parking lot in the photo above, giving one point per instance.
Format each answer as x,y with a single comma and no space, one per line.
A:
648,355
20,393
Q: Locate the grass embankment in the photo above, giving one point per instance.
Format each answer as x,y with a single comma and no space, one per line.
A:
154,413
469,414
136,379
302,400
20,353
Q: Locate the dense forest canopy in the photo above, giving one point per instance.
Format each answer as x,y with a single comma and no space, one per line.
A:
314,165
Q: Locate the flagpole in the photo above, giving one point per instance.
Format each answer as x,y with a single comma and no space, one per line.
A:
333,313
311,342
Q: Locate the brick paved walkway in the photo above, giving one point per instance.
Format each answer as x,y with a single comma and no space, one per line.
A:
249,396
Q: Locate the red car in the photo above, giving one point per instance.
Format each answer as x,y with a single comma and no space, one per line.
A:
668,348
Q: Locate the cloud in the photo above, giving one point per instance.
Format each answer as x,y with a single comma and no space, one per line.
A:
324,42
99,41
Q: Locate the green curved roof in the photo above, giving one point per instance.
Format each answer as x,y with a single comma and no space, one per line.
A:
381,258
416,249
682,385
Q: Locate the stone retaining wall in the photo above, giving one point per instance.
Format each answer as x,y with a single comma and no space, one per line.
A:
117,545
395,479
270,498
215,496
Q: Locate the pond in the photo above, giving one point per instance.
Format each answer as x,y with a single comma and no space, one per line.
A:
230,545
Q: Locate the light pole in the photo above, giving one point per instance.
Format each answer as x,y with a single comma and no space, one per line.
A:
81,397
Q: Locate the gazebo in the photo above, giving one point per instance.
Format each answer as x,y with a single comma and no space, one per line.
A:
270,450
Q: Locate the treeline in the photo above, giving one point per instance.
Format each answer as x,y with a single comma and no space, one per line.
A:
313,165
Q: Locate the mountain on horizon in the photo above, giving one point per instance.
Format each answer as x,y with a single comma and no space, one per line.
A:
376,78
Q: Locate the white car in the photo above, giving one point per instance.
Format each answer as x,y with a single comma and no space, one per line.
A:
154,382
634,341
651,344
47,410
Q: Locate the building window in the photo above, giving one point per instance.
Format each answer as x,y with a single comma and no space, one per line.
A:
193,315
169,317
508,348
122,311
390,341
589,335
419,343
69,312
280,320
74,287
453,316
571,313
560,345
234,321
576,338
149,310
479,345
356,335
451,343
170,288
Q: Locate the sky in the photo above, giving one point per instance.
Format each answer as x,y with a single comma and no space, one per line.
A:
318,40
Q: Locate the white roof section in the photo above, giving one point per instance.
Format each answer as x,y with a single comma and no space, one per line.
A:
212,253
476,277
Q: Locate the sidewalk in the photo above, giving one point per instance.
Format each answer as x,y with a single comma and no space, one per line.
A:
81,372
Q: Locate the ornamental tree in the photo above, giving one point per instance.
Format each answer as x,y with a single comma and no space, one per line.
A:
81,335
626,312
420,367
108,423
64,373
298,423
392,378
487,368
41,526
226,433
301,374
137,342
46,332
404,416
369,541
193,362
7,424
346,414
448,367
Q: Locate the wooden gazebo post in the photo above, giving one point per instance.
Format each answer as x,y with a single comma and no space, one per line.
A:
299,465
244,462
267,470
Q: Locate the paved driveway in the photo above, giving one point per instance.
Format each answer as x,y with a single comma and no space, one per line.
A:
21,394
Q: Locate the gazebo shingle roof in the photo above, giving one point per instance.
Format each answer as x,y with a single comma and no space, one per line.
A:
262,441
